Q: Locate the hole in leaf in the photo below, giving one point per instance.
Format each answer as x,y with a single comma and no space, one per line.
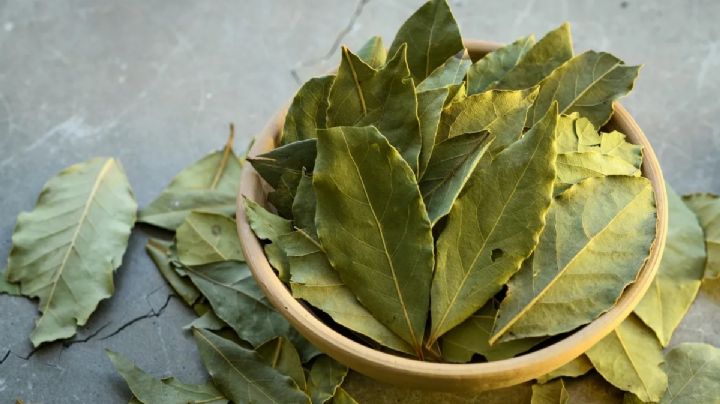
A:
496,253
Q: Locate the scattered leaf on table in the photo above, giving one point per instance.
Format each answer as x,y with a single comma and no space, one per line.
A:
576,367
680,273
430,108
206,237
280,354
307,111
491,68
707,210
630,358
497,229
210,184
432,36
288,160
597,237
553,392
149,390
452,162
383,98
315,281
304,206
159,252
367,197
451,72
373,53
242,375
66,249
326,376
471,337
8,288
588,84
693,371
550,52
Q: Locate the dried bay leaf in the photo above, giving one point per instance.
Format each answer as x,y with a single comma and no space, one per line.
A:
265,225
550,52
575,134
314,280
286,162
242,374
707,210
206,237
373,53
383,98
67,248
326,376
280,354
210,184
587,84
304,206
159,252
630,358
432,36
307,111
343,397
430,108
149,390
575,167
550,393
7,287
207,321
452,162
451,72
367,197
597,237
491,68
575,368
497,230
680,273
614,144
693,371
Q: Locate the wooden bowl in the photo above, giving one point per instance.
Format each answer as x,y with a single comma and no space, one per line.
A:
457,378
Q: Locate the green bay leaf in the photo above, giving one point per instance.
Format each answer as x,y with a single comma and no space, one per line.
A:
307,111
280,354
286,162
326,376
265,225
160,251
430,108
304,206
206,237
497,229
242,374
680,273
451,72
550,393
432,36
367,197
343,397
373,53
66,249
491,68
597,237
693,371
575,167
575,368
7,287
630,358
149,390
707,209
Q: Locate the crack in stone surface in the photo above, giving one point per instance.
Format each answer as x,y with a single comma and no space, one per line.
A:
68,344
151,314
338,40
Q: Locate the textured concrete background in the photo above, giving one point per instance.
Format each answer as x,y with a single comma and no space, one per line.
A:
156,83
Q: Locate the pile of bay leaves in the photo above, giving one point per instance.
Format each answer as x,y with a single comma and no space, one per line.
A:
422,203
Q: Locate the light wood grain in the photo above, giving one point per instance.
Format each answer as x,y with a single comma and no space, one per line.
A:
442,376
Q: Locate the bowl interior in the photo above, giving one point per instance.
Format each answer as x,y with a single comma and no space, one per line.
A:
443,376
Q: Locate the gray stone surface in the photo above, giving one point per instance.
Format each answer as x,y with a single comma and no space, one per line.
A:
155,84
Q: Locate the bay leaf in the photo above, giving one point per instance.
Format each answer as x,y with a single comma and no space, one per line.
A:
432,36
471,337
289,160
451,72
575,167
210,184
326,376
575,134
283,195
497,229
693,371
278,260
206,237
159,252
66,249
280,354
597,237
614,144
242,375
383,98
553,392
314,280
304,206
307,111
265,225
587,84
149,390
630,358
707,209
550,52
491,68
430,108
207,321
575,368
451,164
680,273
367,197
373,53
7,287
343,397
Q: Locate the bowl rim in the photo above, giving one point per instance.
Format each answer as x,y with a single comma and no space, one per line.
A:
450,377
